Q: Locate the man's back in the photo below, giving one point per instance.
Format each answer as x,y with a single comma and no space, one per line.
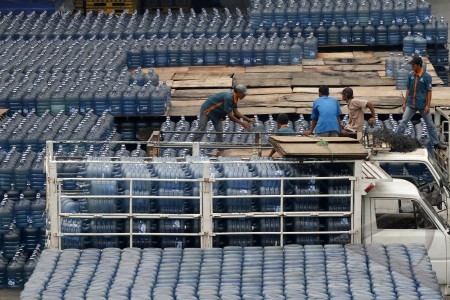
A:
326,110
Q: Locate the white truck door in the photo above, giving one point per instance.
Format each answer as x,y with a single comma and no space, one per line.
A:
405,221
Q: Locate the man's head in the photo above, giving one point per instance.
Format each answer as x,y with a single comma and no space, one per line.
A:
282,119
324,90
347,94
241,91
416,63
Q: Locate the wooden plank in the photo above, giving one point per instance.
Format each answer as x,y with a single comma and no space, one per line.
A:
363,54
3,111
359,68
269,91
317,69
336,55
359,74
206,83
212,69
165,76
199,76
197,93
313,62
168,70
274,69
358,61
316,79
255,76
366,81
269,82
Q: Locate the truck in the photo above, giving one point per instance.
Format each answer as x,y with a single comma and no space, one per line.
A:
323,192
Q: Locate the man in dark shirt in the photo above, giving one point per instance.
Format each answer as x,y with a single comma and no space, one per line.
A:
220,105
418,98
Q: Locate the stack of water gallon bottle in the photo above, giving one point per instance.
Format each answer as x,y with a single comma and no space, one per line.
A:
291,272
63,62
22,179
371,22
170,186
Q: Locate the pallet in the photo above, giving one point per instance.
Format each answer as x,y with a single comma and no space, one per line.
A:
108,4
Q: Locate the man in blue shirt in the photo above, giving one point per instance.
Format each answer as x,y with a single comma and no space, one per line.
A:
325,115
216,107
418,98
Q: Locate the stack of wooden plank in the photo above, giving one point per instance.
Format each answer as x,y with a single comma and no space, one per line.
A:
292,89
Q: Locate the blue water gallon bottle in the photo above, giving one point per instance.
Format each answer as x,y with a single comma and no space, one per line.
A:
420,45
409,44
339,13
424,11
321,33
271,53
259,53
351,13
304,16
442,31
363,13
223,56
389,65
399,12
247,57
198,54
393,33
405,29
234,53
418,28
295,55
345,34
316,13
333,34
387,12
358,34
210,51
381,34
411,12
310,47
284,53
279,14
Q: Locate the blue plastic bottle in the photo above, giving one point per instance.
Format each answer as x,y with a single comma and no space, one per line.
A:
357,34
381,34
424,11
351,13
393,33
345,34
363,13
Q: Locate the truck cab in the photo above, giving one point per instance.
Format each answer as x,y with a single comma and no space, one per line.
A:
420,168
396,212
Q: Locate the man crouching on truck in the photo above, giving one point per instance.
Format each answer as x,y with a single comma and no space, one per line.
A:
220,105
356,109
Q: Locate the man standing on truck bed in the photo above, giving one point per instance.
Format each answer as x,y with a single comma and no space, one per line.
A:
217,106
418,98
326,115
356,111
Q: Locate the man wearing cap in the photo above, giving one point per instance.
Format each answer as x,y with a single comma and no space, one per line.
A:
418,98
216,107
326,115
356,109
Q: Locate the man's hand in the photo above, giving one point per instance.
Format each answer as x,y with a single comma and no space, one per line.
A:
426,109
307,132
344,132
251,120
404,107
245,125
371,120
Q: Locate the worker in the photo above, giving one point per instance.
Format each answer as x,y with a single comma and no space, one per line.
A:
418,98
217,106
326,115
283,129
356,109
